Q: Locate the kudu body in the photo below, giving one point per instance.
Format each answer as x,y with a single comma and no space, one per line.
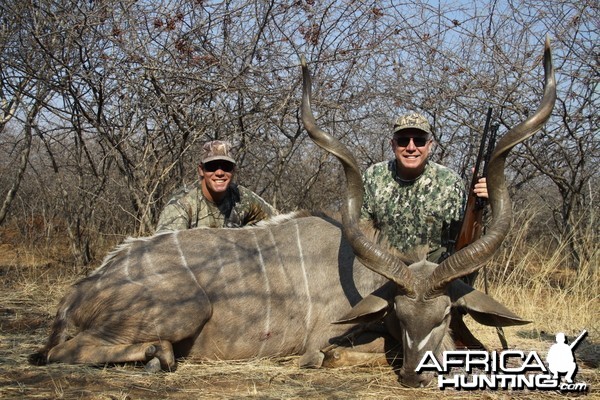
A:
275,289
214,294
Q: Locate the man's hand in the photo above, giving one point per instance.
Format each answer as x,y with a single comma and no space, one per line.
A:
480,189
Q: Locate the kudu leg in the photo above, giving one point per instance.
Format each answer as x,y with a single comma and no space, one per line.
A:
377,350
341,357
164,357
364,348
88,349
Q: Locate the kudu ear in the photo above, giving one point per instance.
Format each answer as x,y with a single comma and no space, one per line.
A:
371,308
481,307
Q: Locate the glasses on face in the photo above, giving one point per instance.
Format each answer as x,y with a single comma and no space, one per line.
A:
213,166
404,141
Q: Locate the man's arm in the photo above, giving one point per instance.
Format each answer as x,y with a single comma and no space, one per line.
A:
254,207
173,217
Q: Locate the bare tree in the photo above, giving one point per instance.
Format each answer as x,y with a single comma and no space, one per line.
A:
125,93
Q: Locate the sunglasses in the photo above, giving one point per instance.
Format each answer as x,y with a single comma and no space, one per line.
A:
404,141
213,166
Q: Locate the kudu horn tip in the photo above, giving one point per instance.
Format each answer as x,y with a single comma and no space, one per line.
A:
547,51
547,43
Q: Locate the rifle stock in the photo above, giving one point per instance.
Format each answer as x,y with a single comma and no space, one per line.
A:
471,226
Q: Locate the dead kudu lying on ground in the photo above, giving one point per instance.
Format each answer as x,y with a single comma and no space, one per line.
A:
274,290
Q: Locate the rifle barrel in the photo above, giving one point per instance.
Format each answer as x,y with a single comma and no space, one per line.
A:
486,129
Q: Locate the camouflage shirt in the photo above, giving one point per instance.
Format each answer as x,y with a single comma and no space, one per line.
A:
190,209
416,213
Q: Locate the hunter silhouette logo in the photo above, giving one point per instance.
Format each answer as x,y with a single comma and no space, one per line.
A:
561,358
508,369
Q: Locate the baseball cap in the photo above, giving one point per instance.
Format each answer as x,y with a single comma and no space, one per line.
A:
412,121
217,150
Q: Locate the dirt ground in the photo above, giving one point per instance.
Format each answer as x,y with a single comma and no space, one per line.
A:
28,301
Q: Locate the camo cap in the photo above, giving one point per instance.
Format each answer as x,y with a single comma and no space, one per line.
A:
217,150
412,121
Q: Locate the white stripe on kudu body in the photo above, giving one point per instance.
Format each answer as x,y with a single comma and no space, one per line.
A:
306,285
267,323
184,262
282,272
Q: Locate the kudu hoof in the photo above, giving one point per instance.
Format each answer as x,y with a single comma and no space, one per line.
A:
313,359
153,366
160,356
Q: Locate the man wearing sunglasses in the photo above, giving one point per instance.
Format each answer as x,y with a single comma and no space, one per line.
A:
413,201
216,201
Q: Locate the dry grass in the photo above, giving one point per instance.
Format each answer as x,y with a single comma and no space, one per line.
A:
535,281
531,282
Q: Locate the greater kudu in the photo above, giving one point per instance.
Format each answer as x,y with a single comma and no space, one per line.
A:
274,289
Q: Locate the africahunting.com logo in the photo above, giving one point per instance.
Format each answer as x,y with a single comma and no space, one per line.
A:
509,369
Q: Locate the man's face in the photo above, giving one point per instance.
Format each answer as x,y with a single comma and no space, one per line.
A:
217,176
411,148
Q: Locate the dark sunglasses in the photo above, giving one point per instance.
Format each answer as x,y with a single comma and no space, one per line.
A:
403,141
213,166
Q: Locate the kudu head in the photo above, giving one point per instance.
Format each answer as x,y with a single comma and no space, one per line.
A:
421,295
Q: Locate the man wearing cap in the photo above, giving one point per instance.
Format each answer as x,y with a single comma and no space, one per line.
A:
215,201
411,200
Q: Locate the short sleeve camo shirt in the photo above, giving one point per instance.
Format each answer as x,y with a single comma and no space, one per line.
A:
190,209
415,213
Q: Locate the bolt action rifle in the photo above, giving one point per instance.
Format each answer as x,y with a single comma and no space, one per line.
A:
469,229
471,226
